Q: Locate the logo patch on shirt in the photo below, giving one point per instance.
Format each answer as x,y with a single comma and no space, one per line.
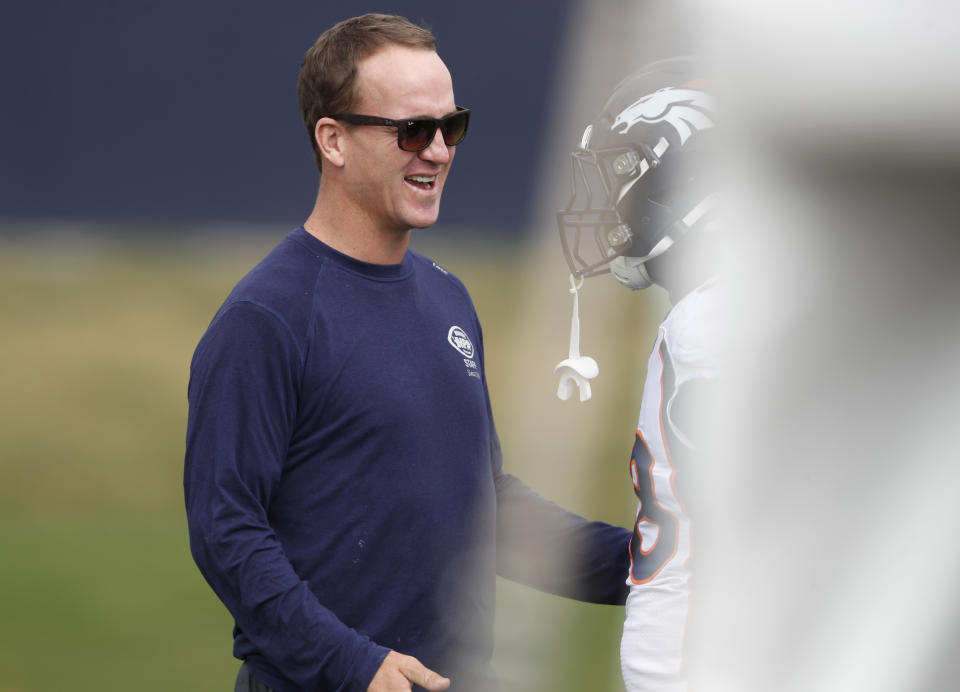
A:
458,338
460,341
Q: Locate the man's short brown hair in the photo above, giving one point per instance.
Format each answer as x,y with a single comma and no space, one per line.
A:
327,84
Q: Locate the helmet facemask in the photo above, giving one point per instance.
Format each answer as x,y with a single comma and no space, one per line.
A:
593,227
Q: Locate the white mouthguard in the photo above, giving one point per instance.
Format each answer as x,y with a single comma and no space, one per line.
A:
576,370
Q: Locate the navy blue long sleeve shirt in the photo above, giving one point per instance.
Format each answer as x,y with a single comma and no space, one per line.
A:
343,478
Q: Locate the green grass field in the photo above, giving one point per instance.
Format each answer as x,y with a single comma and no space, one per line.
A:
97,587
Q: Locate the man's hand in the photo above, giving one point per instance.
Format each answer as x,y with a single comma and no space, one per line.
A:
399,673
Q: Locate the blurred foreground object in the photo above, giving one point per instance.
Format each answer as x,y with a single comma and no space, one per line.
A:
829,556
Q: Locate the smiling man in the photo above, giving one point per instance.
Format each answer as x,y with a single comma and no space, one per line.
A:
382,180
344,485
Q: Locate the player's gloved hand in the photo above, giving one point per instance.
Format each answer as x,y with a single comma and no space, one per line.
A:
399,673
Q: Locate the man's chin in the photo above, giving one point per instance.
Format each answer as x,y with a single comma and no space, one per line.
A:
423,220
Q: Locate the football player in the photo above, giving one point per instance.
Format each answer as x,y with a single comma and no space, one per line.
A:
644,208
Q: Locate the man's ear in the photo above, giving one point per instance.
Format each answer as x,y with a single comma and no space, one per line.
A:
328,134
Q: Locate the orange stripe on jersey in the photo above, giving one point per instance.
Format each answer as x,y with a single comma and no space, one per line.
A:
666,431
668,390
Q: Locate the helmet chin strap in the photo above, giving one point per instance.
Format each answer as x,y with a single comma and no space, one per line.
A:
632,271
576,370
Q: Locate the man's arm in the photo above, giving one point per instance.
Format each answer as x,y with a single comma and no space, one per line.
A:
549,548
243,400
542,545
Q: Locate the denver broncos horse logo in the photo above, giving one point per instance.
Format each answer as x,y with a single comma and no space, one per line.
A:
684,109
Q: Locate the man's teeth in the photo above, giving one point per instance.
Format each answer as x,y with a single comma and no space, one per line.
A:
424,179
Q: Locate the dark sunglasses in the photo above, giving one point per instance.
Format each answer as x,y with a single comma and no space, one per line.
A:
415,134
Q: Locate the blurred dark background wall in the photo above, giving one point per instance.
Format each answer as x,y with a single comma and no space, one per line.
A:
184,112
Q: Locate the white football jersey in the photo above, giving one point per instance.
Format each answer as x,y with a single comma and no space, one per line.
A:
682,367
